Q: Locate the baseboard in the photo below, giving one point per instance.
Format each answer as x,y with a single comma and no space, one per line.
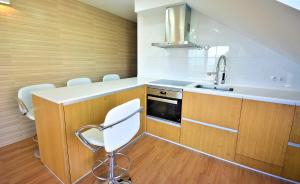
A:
53,174
227,161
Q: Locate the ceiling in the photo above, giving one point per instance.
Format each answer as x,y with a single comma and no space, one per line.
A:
122,8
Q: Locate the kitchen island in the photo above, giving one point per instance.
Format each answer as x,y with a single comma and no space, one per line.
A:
62,111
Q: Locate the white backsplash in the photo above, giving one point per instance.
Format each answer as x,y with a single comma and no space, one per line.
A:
249,63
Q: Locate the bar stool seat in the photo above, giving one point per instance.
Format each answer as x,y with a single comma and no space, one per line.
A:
94,136
30,114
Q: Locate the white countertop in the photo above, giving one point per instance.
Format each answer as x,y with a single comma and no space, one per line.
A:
73,94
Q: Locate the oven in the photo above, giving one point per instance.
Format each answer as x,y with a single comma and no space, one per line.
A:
164,103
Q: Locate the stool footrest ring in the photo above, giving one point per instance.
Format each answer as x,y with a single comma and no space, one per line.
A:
104,162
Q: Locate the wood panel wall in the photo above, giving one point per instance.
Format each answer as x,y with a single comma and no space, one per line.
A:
51,41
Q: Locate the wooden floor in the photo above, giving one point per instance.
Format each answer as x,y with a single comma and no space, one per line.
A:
153,161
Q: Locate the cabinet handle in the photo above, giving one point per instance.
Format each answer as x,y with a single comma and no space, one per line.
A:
292,144
210,125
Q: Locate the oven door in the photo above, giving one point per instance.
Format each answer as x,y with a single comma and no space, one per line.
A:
165,108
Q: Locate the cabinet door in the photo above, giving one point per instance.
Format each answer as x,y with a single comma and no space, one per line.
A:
218,110
291,167
211,140
264,131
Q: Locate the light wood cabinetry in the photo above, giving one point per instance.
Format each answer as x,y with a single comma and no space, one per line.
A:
210,123
50,128
291,167
163,130
56,125
262,166
295,134
264,131
211,140
218,110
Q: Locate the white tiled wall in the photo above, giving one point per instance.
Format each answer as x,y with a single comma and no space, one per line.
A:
249,63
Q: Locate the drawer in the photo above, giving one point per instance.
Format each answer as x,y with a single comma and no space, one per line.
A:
211,140
218,110
163,130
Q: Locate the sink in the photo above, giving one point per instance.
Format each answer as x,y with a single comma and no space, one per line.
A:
214,87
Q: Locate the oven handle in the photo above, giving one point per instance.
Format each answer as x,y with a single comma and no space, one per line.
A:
162,100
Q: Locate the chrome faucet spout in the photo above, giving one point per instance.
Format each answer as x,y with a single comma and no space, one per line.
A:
216,81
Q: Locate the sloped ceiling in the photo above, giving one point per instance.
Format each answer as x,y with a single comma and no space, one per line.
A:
267,21
122,8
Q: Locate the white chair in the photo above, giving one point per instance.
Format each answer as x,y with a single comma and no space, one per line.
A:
25,103
120,126
110,77
79,81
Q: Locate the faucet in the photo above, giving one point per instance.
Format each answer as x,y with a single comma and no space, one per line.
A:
216,82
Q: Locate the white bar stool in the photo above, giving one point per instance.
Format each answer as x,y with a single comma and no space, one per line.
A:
110,77
26,107
121,124
79,81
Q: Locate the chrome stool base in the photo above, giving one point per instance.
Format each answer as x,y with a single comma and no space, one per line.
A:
115,174
36,153
36,150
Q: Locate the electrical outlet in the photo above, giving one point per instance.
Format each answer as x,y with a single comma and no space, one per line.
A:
278,78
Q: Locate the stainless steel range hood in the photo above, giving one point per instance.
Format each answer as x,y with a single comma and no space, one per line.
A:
177,27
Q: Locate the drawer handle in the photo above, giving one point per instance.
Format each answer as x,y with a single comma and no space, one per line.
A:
210,125
292,144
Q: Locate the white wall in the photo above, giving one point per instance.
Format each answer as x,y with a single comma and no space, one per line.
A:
249,63
141,5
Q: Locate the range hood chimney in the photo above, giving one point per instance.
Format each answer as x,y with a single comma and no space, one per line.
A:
177,27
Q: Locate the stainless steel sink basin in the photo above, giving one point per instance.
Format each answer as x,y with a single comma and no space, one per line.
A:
214,87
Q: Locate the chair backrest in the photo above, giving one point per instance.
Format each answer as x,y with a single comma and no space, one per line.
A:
79,81
120,134
25,93
110,77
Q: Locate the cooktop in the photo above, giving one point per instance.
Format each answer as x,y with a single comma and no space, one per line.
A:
171,82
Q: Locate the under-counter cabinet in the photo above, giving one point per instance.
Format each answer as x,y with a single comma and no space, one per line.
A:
210,123
164,130
263,135
291,167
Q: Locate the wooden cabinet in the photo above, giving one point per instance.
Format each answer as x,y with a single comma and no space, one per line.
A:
291,167
211,140
264,131
210,123
163,130
262,166
56,125
218,110
295,134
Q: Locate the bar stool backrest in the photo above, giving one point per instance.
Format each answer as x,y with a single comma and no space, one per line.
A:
120,134
79,81
110,77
